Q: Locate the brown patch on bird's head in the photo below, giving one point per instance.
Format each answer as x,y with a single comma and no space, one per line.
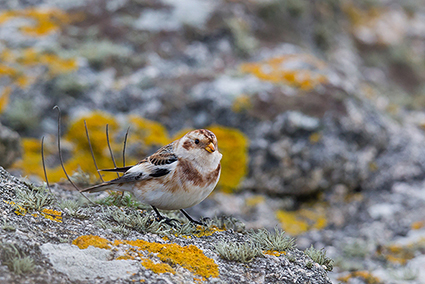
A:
187,144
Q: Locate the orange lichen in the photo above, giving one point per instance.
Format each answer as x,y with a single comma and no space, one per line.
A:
302,220
280,70
365,275
85,241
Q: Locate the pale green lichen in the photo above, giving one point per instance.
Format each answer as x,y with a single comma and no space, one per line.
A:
34,198
239,252
319,256
276,241
15,259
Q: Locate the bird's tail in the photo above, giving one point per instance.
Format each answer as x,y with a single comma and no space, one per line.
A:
98,187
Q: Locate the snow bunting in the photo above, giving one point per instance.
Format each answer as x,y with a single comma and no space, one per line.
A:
179,175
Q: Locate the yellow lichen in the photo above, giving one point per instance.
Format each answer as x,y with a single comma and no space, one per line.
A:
254,200
85,241
242,103
189,257
147,133
4,98
365,275
52,215
157,267
280,70
315,137
202,232
17,65
233,144
274,253
44,21
302,220
398,254
417,225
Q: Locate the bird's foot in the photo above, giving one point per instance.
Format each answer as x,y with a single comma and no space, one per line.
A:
202,222
167,221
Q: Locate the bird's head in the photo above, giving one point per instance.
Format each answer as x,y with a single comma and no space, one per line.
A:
200,142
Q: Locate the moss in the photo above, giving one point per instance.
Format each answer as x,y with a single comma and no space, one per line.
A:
276,71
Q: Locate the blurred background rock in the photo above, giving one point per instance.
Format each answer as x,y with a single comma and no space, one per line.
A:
318,107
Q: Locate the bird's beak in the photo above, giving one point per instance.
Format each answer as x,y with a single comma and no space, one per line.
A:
210,148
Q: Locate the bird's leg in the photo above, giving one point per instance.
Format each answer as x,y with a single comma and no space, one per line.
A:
159,217
191,219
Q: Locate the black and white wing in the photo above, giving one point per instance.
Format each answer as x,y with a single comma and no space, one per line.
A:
159,164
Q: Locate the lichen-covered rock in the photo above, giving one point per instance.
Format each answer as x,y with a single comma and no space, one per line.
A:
116,245
10,146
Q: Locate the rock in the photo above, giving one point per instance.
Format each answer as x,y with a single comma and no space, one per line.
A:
10,146
70,243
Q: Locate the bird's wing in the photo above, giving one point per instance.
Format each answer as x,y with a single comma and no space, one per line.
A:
157,165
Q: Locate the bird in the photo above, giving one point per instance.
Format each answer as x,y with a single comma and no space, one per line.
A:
177,176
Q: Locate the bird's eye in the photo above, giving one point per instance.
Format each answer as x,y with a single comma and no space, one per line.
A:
196,141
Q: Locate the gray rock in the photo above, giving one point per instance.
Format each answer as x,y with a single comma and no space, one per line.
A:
10,146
